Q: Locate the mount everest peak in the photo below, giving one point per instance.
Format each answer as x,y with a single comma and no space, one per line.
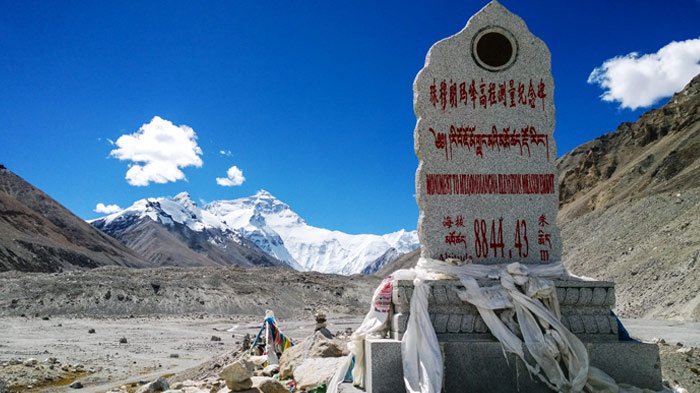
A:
271,226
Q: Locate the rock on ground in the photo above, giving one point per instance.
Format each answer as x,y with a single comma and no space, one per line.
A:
315,371
237,375
269,385
157,386
314,346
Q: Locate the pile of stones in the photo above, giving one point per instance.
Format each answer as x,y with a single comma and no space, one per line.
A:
307,366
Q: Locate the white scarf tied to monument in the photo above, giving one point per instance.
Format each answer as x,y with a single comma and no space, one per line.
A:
526,292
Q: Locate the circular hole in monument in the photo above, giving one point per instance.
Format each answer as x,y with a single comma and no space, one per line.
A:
494,49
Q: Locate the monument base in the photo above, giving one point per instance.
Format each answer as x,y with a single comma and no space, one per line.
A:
480,366
585,307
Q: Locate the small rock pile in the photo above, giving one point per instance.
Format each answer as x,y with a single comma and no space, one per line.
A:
313,361
309,364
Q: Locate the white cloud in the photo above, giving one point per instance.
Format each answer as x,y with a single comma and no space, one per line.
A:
226,153
158,150
234,177
637,81
107,209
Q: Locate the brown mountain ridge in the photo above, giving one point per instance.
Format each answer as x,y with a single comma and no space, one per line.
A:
630,209
38,234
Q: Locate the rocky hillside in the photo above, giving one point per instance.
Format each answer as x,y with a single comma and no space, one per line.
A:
37,234
630,209
658,153
121,292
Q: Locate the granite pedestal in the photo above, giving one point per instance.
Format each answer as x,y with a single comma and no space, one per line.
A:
480,366
474,360
585,307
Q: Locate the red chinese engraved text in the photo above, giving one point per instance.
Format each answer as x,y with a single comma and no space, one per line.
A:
447,94
544,238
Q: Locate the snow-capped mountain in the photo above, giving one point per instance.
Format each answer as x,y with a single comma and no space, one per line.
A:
176,232
276,229
180,209
266,220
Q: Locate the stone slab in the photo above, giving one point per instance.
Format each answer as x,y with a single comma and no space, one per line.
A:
486,180
481,367
384,370
630,362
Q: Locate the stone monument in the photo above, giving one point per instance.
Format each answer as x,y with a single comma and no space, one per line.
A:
486,181
487,190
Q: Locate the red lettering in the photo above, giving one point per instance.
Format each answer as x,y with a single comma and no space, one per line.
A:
482,94
489,184
453,94
541,93
522,99
510,93
492,94
447,222
502,94
531,96
443,94
463,97
472,93
468,138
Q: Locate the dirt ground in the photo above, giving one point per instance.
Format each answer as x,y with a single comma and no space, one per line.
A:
154,347
167,346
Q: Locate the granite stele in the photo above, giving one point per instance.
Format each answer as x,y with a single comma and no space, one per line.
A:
486,181
487,190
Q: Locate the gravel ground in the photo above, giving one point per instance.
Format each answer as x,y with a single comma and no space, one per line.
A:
167,346
154,347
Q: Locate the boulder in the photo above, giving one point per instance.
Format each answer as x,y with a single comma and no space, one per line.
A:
269,385
314,371
314,346
686,351
157,386
327,348
237,376
271,370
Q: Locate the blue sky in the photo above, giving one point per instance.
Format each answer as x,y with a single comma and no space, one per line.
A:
312,99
